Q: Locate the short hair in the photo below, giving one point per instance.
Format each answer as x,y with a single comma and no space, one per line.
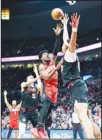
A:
28,77
41,53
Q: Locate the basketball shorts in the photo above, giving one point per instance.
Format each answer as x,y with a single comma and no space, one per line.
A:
26,116
14,125
79,92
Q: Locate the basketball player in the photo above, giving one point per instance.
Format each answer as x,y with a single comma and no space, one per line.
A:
49,74
14,114
29,102
72,80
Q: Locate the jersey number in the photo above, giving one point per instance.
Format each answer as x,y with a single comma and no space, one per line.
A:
33,96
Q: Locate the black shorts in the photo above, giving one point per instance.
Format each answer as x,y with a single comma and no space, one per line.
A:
26,116
79,92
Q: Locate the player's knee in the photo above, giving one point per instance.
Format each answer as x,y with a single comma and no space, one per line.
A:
81,110
82,115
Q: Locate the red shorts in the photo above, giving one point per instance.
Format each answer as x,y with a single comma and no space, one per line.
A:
14,124
51,92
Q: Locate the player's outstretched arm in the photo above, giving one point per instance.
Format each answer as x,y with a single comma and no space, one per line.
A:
25,84
65,29
57,41
19,106
44,74
39,83
6,101
74,24
65,33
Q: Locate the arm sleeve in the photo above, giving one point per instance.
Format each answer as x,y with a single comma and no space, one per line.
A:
56,45
69,56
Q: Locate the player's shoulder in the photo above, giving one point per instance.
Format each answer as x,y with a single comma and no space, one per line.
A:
41,67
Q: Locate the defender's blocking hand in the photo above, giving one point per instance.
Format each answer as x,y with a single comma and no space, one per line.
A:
75,20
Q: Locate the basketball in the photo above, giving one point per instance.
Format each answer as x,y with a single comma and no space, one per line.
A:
57,13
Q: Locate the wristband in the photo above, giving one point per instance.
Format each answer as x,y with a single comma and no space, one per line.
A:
74,29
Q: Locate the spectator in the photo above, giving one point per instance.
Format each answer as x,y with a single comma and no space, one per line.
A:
77,128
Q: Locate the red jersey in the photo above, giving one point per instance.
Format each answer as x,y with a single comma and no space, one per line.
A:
54,79
14,115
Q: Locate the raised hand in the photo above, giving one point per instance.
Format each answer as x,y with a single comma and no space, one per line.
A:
58,29
75,20
5,92
65,19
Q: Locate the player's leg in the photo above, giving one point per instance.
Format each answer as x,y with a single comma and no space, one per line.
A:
44,112
9,132
22,128
16,133
34,120
53,104
41,119
96,130
16,126
81,109
46,119
79,92
22,124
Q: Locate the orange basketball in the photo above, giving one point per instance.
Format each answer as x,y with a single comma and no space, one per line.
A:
57,13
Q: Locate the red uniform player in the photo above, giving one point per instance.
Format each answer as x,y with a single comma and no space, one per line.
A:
14,117
14,114
49,75
51,85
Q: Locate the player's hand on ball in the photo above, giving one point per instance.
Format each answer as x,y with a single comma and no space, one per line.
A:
5,92
58,29
65,19
75,20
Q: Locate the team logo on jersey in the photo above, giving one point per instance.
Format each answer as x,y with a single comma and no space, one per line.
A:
23,120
